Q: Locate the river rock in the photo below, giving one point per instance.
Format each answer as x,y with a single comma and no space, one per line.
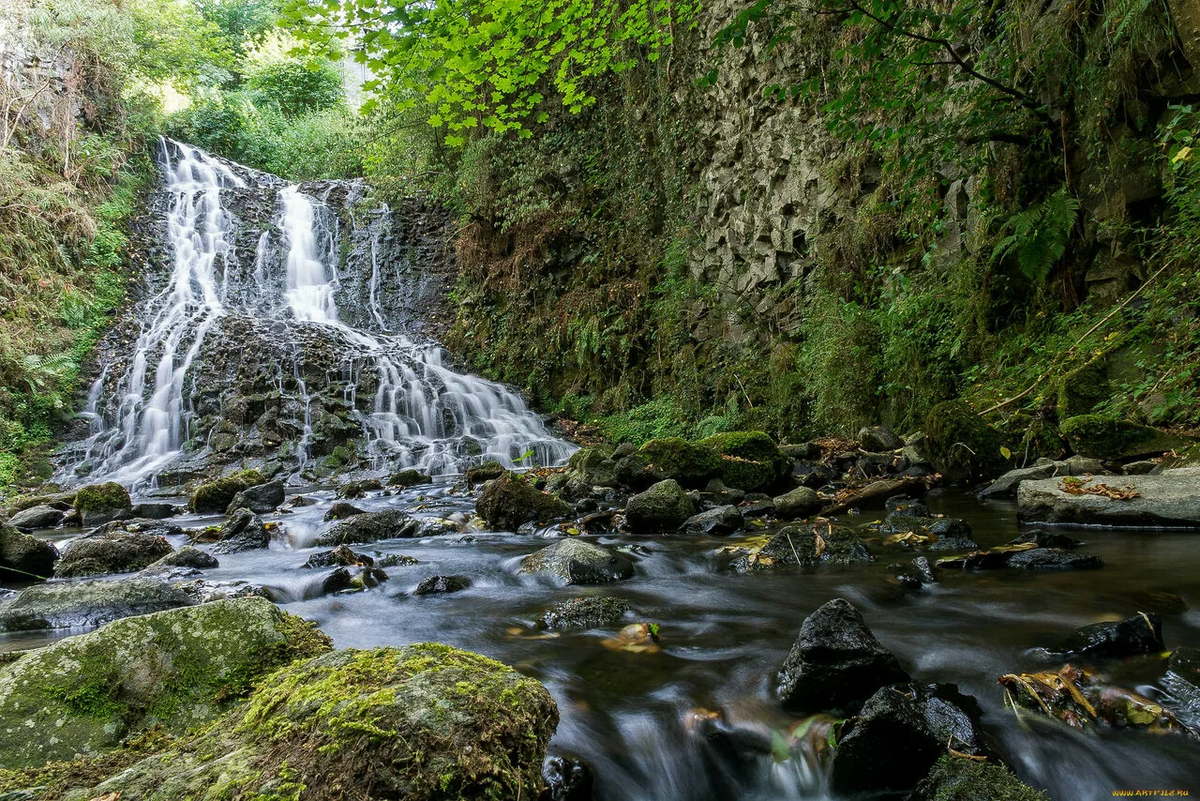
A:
102,503
482,473
340,510
1047,539
836,662
718,522
1053,559
37,517
509,501
919,574
472,728
1133,636
594,467
176,669
574,561
567,779
24,557
901,522
440,585
78,604
589,612
954,778
900,733
189,557
1166,500
213,497
111,550
357,489
800,502
879,439
662,507
806,546
261,498
370,527
408,478
244,531
156,511
1006,485
341,556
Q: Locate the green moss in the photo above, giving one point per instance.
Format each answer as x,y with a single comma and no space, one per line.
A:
689,463
95,497
961,446
408,478
1083,389
957,779
214,496
750,461
1107,438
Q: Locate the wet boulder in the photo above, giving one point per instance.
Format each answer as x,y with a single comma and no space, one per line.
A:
718,522
111,549
1102,437
97,504
174,670
357,489
156,511
958,778
961,446
441,585
588,612
879,439
37,517
79,604
244,531
369,527
750,460
594,467
798,503
24,557
1133,636
261,498
213,497
408,478
900,733
573,561
901,522
567,779
190,557
806,546
341,556
1166,500
1046,539
1053,559
511,500
836,662
688,463
918,575
1006,486
482,473
340,510
423,722
662,507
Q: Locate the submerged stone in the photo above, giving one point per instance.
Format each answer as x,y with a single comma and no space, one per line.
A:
1140,634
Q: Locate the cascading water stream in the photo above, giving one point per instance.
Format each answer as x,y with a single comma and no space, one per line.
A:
422,413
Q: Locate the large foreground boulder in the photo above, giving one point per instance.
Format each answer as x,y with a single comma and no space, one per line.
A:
1168,500
369,527
102,503
574,561
176,669
510,501
663,507
836,662
424,722
24,557
78,604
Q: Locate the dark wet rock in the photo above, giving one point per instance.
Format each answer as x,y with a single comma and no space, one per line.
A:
1047,539
873,465
919,574
511,500
440,585
900,733
102,503
1141,468
337,581
472,728
339,556
370,527
1185,663
1006,485
567,779
357,489
718,522
156,511
814,476
1053,559
662,507
37,517
755,509
953,544
959,779
1140,634
261,498
1169,500
574,561
244,531
879,439
481,473
900,522
1103,437
961,446
836,662
174,670
340,510
214,496
187,556
111,550
88,603
300,501
408,478
594,467
904,505
394,560
24,557
807,546
591,611
800,502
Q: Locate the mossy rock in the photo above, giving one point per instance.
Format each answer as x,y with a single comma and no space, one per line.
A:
113,551
176,670
594,467
959,779
750,460
408,478
691,464
1083,389
24,557
510,501
961,446
213,497
102,503
1108,438
478,474
424,722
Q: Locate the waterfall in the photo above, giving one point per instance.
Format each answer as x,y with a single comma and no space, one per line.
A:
213,328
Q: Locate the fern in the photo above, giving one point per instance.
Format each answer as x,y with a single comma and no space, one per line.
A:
1039,235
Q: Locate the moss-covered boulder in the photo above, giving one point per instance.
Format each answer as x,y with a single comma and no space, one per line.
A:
961,446
369,527
176,669
24,557
424,722
79,604
111,549
749,460
1108,438
480,473
962,779
594,467
102,503
213,497
691,464
1081,390
408,478
573,561
510,501
663,507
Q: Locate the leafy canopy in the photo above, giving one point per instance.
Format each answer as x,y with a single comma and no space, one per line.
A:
490,63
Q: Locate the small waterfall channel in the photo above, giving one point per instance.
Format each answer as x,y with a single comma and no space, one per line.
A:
283,322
